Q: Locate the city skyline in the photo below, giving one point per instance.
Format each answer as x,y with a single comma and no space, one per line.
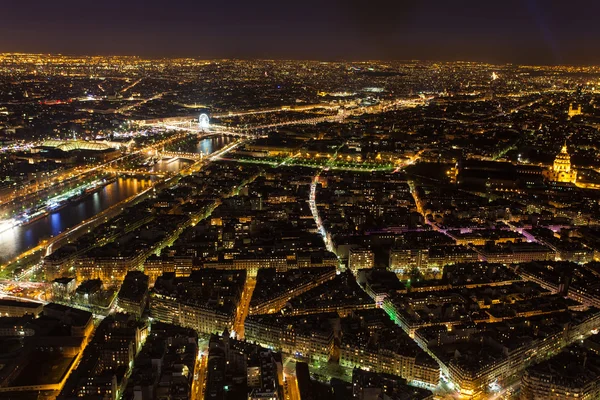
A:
251,229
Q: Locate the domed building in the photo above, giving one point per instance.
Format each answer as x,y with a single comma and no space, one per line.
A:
561,169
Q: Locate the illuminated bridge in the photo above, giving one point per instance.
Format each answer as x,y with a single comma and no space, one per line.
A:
180,154
139,172
203,127
190,126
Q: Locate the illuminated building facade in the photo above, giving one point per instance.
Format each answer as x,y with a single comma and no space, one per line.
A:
156,266
431,260
571,374
574,111
270,297
561,169
477,364
14,308
309,337
62,288
387,361
206,301
108,269
360,259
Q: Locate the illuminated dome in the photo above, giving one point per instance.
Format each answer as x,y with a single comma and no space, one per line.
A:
561,170
562,162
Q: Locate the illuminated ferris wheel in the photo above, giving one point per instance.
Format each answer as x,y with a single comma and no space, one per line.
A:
204,122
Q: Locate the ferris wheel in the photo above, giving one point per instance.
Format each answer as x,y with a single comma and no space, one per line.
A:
204,122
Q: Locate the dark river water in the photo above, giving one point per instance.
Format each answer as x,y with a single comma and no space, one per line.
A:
22,238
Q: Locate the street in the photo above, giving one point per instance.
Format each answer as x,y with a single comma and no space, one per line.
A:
243,308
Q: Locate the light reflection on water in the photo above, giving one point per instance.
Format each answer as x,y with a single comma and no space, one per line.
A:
19,239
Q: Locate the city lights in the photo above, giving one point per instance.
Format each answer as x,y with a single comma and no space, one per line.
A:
286,229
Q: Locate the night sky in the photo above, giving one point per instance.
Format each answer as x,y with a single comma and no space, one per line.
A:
499,31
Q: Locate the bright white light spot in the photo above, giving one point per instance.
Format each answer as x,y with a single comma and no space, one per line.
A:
204,122
495,387
6,225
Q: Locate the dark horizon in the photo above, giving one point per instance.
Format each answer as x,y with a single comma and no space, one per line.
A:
526,32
